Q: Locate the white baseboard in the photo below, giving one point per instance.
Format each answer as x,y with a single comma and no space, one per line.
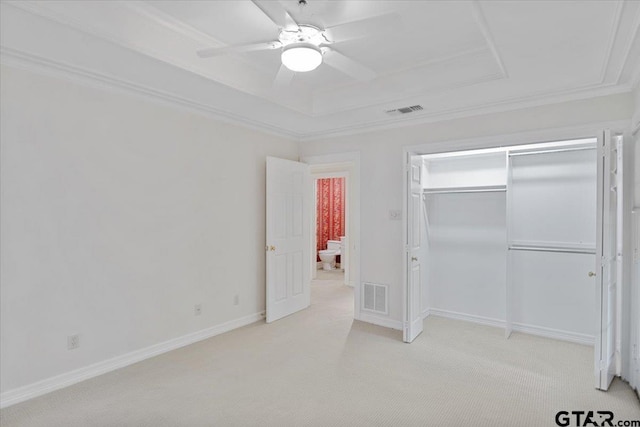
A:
517,327
481,320
11,397
425,313
380,321
554,333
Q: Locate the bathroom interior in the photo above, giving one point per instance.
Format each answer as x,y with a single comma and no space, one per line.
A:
330,228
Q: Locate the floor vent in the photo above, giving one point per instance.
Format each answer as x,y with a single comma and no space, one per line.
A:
375,298
404,110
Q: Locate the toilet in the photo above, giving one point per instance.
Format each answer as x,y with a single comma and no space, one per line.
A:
328,256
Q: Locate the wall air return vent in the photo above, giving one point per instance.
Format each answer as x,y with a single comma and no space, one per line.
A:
375,298
404,110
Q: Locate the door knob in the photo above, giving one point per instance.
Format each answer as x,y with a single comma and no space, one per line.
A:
591,274
272,248
414,258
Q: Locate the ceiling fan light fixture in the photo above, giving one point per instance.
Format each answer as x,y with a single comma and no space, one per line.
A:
301,57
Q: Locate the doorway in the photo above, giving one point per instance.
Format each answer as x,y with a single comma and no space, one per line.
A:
331,228
291,248
507,237
344,166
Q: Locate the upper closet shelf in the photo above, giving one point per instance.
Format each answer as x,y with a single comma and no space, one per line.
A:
474,189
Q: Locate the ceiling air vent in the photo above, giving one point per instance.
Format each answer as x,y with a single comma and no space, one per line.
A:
404,110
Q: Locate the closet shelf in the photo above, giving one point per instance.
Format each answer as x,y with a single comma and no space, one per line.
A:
562,249
475,189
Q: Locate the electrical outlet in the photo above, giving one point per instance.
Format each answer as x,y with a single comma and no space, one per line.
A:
236,300
197,309
73,342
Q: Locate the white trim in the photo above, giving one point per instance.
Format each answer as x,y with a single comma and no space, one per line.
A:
518,139
30,391
517,327
426,313
501,106
381,321
480,320
557,334
40,65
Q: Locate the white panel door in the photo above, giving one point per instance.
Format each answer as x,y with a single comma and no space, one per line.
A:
413,316
288,238
606,289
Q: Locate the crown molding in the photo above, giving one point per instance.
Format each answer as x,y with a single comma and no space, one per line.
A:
599,88
160,18
40,65
501,106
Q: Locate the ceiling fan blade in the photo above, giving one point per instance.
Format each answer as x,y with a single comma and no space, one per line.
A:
364,28
215,51
347,65
284,77
277,14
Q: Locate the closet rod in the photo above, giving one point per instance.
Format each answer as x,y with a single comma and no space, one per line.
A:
464,190
552,249
559,150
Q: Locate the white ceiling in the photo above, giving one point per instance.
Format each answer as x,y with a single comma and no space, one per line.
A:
454,58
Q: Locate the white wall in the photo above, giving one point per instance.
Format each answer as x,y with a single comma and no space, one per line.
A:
467,254
381,170
118,215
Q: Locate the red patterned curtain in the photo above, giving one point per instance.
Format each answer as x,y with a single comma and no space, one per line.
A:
330,215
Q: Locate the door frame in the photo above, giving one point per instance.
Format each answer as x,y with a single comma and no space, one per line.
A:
495,141
349,164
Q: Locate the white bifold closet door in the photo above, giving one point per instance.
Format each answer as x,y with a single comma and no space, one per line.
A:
552,242
413,316
609,260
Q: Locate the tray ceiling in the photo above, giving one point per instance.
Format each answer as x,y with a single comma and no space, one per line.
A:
449,57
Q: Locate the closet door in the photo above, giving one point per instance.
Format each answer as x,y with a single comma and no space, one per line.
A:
552,245
609,220
413,313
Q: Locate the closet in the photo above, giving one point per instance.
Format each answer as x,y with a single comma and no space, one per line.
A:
510,237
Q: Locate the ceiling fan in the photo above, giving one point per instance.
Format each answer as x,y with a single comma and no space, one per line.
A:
304,47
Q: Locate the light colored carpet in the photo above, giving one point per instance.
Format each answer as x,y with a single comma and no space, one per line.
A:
337,275
321,368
